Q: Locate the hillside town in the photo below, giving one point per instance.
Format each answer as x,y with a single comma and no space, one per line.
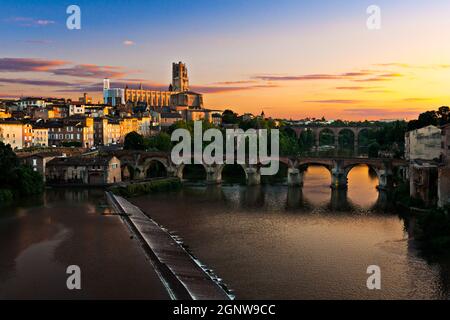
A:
53,122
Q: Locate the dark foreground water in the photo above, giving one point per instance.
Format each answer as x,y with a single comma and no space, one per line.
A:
267,242
278,243
40,238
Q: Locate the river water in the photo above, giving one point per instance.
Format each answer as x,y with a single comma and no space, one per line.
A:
267,242
273,242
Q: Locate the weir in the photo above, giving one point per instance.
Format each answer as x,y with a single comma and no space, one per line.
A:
180,272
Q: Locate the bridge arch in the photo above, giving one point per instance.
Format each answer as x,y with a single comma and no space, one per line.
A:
198,172
323,135
345,142
156,168
225,172
371,166
128,172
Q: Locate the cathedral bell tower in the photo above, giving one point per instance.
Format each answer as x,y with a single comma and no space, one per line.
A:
180,79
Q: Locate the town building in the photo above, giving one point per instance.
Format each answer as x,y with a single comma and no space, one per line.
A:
27,135
75,130
40,135
178,96
11,132
38,161
424,143
444,168
112,96
423,151
84,170
169,118
24,103
106,131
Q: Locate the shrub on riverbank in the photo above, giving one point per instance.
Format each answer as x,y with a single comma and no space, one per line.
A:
433,229
16,180
142,188
6,196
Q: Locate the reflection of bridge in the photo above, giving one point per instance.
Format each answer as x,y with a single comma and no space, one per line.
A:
335,131
137,165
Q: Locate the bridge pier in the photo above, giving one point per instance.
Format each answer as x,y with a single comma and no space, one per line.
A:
295,177
355,146
385,177
338,176
253,176
339,180
213,175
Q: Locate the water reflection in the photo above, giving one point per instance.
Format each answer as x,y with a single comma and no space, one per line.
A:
274,242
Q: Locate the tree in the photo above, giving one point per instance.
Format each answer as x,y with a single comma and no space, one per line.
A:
160,142
229,117
16,179
374,148
134,141
8,163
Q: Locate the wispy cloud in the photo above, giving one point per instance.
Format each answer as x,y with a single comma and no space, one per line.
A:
380,112
43,42
30,22
360,76
334,101
380,77
355,88
416,99
27,64
91,71
238,82
129,43
49,83
412,66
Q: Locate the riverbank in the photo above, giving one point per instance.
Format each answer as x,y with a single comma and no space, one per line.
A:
147,187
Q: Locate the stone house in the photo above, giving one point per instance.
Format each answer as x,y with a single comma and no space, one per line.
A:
84,170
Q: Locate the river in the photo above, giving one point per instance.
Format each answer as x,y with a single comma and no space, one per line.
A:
266,242
272,242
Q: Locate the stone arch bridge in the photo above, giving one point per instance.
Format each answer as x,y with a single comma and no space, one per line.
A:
336,131
139,162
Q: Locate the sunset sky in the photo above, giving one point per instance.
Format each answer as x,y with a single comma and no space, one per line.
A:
290,58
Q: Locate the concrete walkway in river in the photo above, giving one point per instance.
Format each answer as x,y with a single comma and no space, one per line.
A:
180,273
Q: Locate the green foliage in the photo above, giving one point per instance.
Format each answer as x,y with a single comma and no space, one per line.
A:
138,189
289,145
229,117
6,196
160,142
435,118
134,141
15,179
433,229
28,181
374,148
